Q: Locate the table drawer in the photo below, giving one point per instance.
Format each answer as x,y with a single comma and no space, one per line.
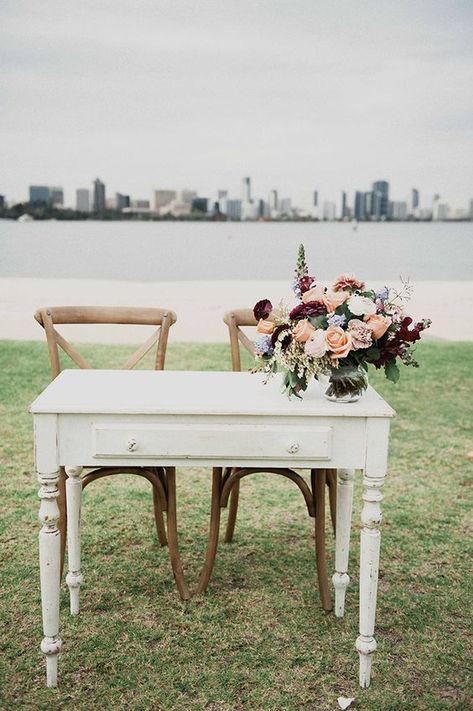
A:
212,441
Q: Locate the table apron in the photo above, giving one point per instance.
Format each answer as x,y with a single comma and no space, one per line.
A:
194,440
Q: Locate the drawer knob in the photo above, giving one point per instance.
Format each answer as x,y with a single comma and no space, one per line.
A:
293,448
131,445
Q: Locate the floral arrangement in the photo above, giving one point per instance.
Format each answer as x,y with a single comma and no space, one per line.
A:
336,332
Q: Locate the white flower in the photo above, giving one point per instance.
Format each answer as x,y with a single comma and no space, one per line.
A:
361,305
316,346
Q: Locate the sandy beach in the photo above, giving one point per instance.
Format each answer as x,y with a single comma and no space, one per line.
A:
199,306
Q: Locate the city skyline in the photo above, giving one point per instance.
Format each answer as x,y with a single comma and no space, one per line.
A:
377,203
200,94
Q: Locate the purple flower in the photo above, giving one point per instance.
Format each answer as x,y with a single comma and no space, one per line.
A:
337,320
296,288
264,346
382,295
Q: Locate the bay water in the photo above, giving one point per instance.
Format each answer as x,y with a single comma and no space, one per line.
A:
187,251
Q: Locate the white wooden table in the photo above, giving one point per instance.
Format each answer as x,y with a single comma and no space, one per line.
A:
90,418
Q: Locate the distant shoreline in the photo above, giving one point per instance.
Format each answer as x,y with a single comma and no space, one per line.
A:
70,215
200,306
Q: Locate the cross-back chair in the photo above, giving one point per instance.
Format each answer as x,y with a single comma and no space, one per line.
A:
162,479
226,483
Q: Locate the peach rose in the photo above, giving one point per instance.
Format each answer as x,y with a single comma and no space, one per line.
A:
303,331
379,324
338,341
265,326
314,294
333,299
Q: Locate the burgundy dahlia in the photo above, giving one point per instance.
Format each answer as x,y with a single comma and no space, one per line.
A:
313,308
285,341
262,309
305,283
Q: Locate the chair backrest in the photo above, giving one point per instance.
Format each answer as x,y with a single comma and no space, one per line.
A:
234,320
52,316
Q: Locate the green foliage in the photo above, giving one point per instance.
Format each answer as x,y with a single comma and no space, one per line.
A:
318,321
258,640
392,371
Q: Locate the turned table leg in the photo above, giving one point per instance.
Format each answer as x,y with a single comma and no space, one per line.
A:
340,577
369,566
50,567
74,498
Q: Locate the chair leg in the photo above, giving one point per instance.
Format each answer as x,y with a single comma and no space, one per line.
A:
232,512
172,536
62,523
318,477
213,531
159,519
332,494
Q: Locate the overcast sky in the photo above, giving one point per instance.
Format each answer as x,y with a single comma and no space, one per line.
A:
298,94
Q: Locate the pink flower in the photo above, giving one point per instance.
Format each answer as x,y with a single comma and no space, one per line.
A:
348,281
314,294
338,341
334,299
316,346
303,331
360,334
379,324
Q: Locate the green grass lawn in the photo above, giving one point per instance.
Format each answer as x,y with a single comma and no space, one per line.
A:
259,638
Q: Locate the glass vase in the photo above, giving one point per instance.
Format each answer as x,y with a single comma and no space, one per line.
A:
347,383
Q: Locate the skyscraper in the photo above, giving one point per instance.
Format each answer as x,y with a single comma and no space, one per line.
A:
83,200
56,196
380,200
121,201
360,213
316,199
263,209
285,206
273,201
343,205
99,196
329,210
200,204
415,201
246,190
162,198
398,210
233,208
39,195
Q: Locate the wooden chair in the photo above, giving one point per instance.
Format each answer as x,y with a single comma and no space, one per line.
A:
226,483
163,480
